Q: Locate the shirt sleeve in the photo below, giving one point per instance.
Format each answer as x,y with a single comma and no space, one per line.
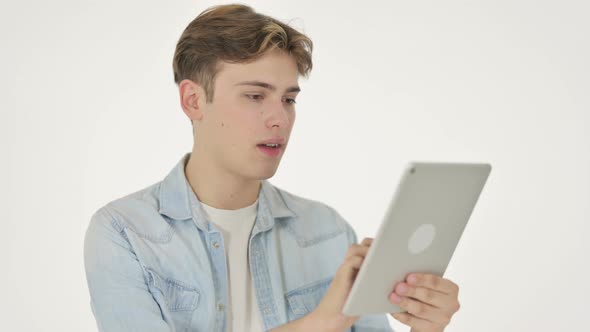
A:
119,295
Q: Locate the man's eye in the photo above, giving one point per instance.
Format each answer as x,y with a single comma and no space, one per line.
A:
255,97
291,101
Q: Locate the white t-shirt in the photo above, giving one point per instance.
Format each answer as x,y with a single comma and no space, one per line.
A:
235,227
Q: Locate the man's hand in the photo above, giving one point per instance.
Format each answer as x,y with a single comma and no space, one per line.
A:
328,315
430,302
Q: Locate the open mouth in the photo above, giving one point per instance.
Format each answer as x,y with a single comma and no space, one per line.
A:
272,146
271,150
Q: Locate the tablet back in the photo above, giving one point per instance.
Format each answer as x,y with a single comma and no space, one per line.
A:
419,232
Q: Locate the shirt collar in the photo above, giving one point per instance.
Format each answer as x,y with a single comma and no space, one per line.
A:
177,199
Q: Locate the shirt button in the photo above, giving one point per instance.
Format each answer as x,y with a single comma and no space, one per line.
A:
216,244
266,310
220,307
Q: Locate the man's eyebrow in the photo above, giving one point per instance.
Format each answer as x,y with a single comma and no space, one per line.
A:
268,86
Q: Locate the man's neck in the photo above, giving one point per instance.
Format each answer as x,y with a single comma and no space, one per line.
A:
217,188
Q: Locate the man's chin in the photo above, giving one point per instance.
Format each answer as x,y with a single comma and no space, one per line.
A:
265,174
268,175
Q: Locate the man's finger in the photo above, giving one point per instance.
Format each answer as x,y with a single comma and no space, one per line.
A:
413,321
353,262
423,294
433,282
357,250
367,241
421,310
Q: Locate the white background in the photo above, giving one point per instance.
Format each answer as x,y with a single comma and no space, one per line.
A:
89,113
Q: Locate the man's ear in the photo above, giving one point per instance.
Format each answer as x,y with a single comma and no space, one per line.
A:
192,99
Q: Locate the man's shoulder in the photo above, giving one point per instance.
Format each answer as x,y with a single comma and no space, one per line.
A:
137,211
146,197
301,205
314,219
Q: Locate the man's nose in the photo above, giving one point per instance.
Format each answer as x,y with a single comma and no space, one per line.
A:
276,114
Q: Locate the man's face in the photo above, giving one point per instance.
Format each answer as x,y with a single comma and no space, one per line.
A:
253,104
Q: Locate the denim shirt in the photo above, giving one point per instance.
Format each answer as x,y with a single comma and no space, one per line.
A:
155,263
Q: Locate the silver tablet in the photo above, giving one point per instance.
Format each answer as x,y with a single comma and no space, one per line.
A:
419,232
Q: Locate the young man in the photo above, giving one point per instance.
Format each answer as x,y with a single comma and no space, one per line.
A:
214,246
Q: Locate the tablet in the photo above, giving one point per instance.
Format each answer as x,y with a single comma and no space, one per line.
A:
419,233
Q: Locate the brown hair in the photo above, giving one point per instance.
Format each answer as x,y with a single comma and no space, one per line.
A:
236,34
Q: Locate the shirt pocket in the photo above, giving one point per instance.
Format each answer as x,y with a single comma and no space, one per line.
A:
177,299
305,299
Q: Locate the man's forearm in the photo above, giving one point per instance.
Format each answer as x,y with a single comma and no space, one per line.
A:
301,324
